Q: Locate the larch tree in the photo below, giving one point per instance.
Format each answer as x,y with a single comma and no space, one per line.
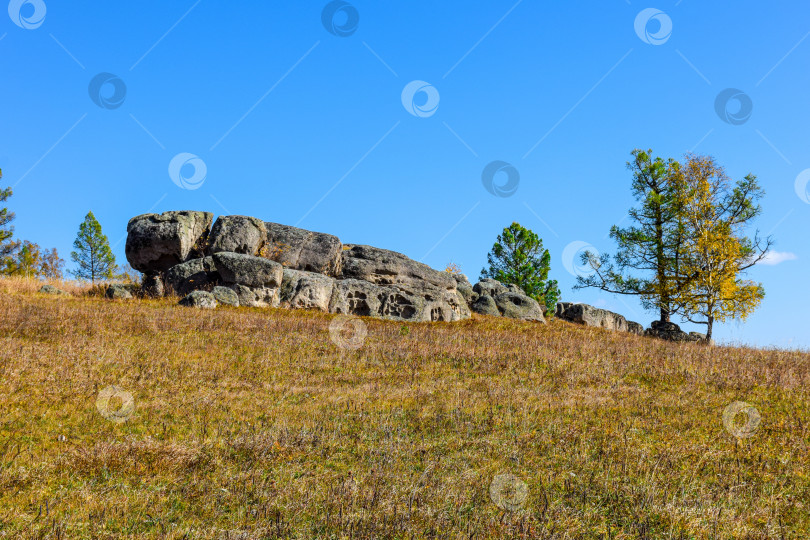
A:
518,258
716,252
93,257
647,260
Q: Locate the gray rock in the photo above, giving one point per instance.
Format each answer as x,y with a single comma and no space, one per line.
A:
156,242
196,274
490,287
117,291
422,302
199,299
592,316
152,285
357,297
465,288
670,331
385,267
299,249
561,307
262,297
50,289
225,296
306,290
635,328
247,270
515,305
485,305
237,234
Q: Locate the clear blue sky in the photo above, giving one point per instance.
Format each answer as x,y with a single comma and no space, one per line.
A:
300,125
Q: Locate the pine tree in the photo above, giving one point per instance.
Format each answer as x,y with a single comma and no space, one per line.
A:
7,245
93,255
647,261
518,258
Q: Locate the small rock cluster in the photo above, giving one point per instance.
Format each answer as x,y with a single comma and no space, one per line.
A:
601,318
243,261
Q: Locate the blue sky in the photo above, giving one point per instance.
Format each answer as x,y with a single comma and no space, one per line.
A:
299,122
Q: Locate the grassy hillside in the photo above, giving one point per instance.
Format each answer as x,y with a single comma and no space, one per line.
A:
252,423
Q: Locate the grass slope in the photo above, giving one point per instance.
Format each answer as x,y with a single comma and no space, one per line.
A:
252,424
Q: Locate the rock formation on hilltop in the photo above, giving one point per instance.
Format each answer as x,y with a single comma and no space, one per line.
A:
244,261
267,264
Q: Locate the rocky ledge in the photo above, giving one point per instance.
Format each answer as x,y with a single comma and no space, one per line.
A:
244,261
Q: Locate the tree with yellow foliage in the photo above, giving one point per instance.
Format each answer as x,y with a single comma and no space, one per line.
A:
716,252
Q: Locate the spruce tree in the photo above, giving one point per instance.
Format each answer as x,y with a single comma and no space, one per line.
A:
7,245
93,256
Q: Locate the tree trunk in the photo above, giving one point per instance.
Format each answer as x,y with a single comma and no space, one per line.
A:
709,329
664,314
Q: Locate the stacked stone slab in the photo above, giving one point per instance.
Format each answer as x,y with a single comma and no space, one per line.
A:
240,260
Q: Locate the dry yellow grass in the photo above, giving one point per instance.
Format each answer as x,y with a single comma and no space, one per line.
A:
252,424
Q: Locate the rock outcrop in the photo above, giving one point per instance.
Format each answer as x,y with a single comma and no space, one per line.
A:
156,242
299,249
592,316
50,289
243,261
237,234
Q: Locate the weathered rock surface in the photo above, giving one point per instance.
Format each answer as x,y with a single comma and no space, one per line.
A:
225,296
490,287
152,285
247,270
385,267
199,299
519,306
156,242
485,305
561,307
196,274
592,316
357,297
465,288
635,328
237,234
261,297
300,249
306,290
116,291
50,289
670,331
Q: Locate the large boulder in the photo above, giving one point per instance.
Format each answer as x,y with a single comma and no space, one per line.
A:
299,249
485,305
199,299
237,234
156,242
357,297
561,307
592,316
118,291
490,287
385,267
247,270
414,302
192,275
225,296
306,290
515,305
255,280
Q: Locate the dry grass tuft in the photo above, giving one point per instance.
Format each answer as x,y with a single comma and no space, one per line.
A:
252,424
